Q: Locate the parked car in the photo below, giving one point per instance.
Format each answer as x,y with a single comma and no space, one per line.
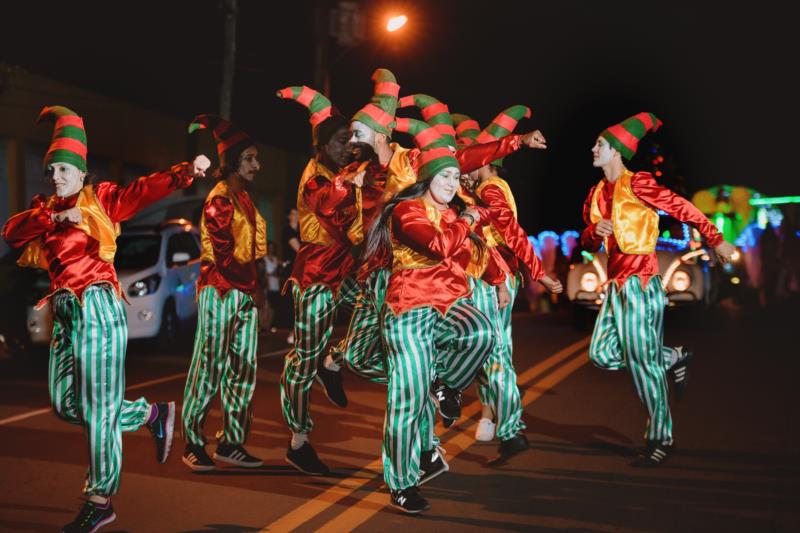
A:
157,268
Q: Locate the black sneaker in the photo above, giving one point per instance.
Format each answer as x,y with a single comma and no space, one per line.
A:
331,382
196,458
509,448
305,460
236,455
431,464
655,454
161,429
448,401
91,518
409,500
680,374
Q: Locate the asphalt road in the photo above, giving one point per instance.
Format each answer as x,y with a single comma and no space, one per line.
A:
736,469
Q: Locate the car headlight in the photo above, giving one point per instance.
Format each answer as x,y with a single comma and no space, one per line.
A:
681,280
145,286
589,282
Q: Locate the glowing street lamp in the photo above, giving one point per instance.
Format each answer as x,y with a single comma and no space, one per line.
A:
395,23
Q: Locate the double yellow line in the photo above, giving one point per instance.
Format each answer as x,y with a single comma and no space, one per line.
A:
374,501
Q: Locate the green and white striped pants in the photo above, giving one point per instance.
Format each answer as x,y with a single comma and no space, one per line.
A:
420,343
629,333
314,315
87,379
497,382
224,358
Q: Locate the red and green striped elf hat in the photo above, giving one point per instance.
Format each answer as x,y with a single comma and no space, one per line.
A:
69,137
379,113
434,112
325,119
467,129
435,150
502,125
625,136
231,141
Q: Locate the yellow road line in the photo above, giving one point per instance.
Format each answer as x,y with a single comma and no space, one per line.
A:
374,470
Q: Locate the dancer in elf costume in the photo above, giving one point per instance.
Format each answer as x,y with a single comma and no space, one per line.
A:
321,280
72,235
429,324
233,238
497,383
620,213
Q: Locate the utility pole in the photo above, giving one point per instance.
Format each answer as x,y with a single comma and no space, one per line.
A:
230,11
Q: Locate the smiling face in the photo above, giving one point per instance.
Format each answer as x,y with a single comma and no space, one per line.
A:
444,185
248,164
362,141
67,178
338,149
602,153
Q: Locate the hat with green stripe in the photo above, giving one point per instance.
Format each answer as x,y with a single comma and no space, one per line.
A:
378,114
434,112
325,119
502,125
69,137
467,129
231,141
625,136
435,150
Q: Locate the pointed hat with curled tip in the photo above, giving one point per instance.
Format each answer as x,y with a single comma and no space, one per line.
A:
230,140
467,129
69,137
434,112
625,136
325,119
502,125
379,113
436,153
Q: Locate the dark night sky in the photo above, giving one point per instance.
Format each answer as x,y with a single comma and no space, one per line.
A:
722,80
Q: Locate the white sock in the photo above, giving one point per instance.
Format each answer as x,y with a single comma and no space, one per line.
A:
96,498
298,439
330,364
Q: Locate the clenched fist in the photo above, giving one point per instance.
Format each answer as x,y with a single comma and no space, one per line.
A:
534,139
72,215
552,285
200,165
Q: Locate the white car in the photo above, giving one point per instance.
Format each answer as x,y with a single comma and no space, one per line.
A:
157,270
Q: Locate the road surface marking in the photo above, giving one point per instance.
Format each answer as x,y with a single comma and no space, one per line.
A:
374,470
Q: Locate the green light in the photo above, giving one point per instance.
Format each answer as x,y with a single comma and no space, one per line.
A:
587,255
719,222
778,200
666,234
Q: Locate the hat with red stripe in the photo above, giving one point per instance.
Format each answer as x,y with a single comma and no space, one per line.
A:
436,153
69,137
231,141
434,113
325,119
378,114
467,129
502,125
625,136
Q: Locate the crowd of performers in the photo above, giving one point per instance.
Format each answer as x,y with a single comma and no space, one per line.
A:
422,244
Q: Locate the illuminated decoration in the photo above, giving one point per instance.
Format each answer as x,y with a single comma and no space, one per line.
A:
535,246
667,242
395,23
547,235
735,280
665,281
681,281
589,282
778,200
565,241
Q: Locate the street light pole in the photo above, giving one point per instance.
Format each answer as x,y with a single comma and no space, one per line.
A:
230,11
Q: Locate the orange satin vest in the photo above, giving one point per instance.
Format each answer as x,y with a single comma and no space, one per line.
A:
311,231
635,224
250,243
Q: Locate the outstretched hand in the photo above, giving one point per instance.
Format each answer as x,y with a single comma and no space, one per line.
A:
725,251
552,285
200,165
534,139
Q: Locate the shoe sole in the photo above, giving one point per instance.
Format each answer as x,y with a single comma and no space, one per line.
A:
446,468
325,390
305,471
197,468
170,431
409,511
234,462
104,522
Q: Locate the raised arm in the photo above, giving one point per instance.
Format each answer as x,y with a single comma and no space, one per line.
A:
411,226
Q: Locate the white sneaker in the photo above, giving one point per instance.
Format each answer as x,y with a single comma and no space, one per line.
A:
290,338
485,430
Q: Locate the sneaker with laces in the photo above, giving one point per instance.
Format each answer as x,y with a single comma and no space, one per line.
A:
432,464
161,429
331,381
196,458
509,448
409,500
236,455
485,430
655,454
91,517
305,459
448,402
680,373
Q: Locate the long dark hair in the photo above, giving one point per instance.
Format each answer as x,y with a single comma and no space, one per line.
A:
379,237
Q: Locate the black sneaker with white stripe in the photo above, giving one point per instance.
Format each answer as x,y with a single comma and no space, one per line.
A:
448,402
680,373
161,429
409,500
655,454
431,464
196,458
236,455
91,518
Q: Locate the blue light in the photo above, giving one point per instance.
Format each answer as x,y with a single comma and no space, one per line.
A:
666,243
535,246
565,241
